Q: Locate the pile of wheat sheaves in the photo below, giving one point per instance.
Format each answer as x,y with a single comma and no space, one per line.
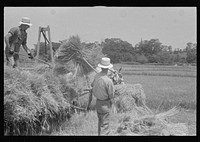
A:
139,121
33,103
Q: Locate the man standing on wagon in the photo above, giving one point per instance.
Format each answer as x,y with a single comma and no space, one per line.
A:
103,90
16,37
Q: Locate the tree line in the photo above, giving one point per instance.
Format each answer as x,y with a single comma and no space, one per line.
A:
119,51
148,51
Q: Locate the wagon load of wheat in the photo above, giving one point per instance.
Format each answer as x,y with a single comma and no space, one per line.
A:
33,103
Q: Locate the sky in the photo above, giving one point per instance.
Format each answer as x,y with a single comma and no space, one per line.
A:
175,26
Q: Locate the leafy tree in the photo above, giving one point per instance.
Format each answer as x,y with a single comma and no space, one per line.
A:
153,58
142,59
191,52
118,50
163,57
154,51
170,49
149,48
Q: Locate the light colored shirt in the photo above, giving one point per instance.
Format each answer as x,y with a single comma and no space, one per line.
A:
18,38
102,87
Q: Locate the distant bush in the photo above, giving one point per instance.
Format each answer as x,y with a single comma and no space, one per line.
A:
142,59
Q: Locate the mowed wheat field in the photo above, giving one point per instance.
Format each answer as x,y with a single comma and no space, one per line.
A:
171,84
175,84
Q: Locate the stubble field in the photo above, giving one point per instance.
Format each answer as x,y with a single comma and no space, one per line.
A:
174,84
171,85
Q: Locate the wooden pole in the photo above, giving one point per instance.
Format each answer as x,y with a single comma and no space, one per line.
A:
45,43
90,65
50,45
38,45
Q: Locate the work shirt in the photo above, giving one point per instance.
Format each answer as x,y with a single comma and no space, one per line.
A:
18,38
103,88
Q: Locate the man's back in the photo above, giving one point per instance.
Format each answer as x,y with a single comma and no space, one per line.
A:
18,36
103,87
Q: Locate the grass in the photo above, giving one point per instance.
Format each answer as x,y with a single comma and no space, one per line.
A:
175,89
188,117
86,125
174,84
151,70
80,124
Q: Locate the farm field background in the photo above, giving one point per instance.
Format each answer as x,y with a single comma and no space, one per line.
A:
171,84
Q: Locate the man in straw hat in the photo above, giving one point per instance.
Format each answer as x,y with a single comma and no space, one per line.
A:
16,37
103,90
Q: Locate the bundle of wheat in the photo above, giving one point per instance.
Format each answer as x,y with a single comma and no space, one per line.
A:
132,93
67,88
135,90
72,49
31,102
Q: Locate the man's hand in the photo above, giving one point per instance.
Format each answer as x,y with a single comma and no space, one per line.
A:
30,56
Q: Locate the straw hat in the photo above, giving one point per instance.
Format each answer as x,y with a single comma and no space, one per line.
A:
105,63
25,21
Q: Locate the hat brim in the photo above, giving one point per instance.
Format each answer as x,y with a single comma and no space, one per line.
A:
102,66
25,23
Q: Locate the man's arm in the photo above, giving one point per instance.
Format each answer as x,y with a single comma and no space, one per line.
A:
7,36
28,51
90,95
111,89
13,31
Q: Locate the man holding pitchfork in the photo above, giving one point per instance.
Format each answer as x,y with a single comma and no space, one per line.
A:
16,37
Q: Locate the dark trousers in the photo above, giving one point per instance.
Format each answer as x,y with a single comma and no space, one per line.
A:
103,112
11,60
